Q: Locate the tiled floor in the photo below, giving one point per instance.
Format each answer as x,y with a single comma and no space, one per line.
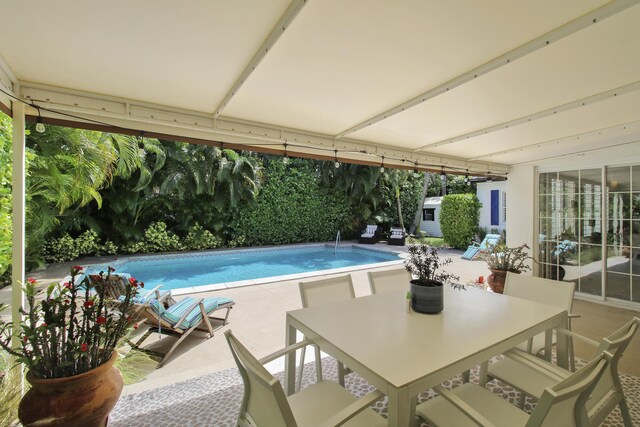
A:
157,408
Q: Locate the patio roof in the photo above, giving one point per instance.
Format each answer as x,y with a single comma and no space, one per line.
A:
464,85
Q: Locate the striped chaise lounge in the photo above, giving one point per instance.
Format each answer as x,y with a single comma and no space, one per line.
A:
183,317
475,248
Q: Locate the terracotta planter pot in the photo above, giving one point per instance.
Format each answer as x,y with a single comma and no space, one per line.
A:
496,280
83,400
427,299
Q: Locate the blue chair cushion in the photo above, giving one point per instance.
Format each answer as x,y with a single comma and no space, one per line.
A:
174,313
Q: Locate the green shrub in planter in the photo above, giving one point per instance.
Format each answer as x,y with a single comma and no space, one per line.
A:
459,219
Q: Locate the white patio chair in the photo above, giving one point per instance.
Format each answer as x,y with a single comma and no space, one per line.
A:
560,405
325,403
545,291
319,292
531,375
389,280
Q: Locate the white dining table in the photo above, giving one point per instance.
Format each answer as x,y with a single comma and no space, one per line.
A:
405,353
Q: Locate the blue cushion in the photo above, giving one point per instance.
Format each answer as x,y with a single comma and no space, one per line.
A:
174,313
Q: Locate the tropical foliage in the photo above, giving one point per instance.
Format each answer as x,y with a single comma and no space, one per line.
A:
92,193
5,198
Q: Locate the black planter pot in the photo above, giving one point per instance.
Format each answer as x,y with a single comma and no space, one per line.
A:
426,296
557,272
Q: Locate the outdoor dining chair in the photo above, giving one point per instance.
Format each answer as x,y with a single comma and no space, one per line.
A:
562,404
531,375
389,280
545,291
182,318
319,292
324,403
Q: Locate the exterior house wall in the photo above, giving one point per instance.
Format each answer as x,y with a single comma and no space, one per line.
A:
521,188
483,191
432,228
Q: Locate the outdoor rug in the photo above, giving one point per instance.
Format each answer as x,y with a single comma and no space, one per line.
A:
214,399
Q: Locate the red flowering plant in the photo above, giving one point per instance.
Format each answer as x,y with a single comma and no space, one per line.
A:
74,328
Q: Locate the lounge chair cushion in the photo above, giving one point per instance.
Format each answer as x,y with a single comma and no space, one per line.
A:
145,296
174,313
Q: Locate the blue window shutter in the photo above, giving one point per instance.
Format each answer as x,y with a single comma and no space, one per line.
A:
495,207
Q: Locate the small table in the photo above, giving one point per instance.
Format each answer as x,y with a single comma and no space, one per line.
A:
403,354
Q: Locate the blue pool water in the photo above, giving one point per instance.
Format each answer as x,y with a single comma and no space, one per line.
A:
182,271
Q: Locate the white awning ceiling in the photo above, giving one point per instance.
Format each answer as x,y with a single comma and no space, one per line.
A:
462,84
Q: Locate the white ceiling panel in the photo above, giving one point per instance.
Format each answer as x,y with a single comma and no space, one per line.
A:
594,60
304,72
609,113
183,54
342,61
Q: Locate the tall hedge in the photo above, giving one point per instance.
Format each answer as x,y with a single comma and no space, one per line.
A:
293,207
459,219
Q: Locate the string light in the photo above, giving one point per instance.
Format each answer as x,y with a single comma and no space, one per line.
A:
415,168
466,177
337,163
442,173
39,125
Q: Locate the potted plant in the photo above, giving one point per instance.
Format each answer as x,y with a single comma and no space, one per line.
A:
500,258
425,265
68,341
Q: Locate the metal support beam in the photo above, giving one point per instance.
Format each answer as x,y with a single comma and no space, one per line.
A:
179,123
539,115
559,33
18,200
292,11
601,134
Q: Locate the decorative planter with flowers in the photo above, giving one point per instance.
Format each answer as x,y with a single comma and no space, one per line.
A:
501,259
68,344
424,265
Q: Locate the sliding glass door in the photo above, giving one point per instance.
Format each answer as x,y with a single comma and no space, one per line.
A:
582,222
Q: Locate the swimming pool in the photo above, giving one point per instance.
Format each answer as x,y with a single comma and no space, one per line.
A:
222,269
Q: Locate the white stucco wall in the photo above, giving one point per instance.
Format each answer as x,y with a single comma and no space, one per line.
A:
483,191
432,228
521,190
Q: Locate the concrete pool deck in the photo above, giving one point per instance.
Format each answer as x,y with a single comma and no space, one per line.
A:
258,319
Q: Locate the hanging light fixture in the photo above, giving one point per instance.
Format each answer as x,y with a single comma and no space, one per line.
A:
489,179
285,159
442,172
335,157
382,165
39,125
466,177
415,167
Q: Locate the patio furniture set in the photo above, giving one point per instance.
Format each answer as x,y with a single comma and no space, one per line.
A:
373,234
403,353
